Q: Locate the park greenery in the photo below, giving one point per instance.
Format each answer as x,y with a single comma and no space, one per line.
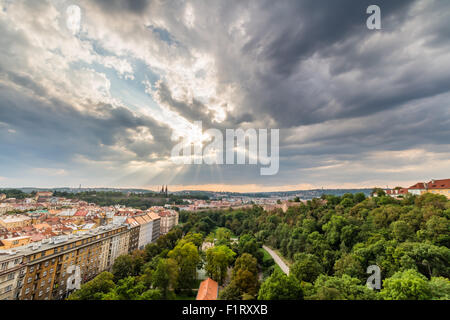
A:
328,242
107,198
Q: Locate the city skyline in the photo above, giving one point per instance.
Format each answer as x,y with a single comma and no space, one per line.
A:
97,93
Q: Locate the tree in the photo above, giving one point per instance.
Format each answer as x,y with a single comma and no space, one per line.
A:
217,261
440,288
95,289
210,237
165,275
146,277
351,265
342,288
151,294
123,267
431,200
245,274
151,250
306,268
195,238
437,230
402,231
249,244
230,292
378,192
186,256
428,259
223,236
359,197
280,287
406,285
128,288
334,230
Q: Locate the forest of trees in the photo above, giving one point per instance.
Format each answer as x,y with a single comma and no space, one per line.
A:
328,242
14,193
141,201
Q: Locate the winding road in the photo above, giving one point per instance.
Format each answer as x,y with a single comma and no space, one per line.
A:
278,260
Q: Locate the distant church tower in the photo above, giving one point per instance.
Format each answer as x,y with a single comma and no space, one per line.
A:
164,191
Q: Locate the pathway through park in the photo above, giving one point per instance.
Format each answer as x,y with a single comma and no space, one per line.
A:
278,260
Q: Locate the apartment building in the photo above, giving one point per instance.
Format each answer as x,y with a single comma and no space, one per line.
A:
441,186
134,228
156,226
146,230
11,269
13,222
10,243
47,262
169,219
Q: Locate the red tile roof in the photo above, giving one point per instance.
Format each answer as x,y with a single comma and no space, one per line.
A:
208,290
81,213
419,185
439,184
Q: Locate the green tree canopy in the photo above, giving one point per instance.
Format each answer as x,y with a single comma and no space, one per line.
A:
186,256
95,289
307,267
218,259
280,287
406,285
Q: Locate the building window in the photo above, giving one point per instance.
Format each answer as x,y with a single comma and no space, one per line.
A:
29,280
27,290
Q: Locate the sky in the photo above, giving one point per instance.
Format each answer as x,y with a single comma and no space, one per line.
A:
98,92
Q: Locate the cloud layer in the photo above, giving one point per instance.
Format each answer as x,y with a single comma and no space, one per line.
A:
104,104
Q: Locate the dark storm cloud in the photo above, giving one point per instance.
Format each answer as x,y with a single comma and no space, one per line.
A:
122,6
58,129
295,30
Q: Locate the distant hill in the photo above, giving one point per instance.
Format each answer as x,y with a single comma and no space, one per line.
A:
78,190
302,194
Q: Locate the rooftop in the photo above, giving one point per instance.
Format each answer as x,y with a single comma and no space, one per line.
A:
208,290
53,242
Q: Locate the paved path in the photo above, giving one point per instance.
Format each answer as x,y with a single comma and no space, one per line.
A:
277,259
